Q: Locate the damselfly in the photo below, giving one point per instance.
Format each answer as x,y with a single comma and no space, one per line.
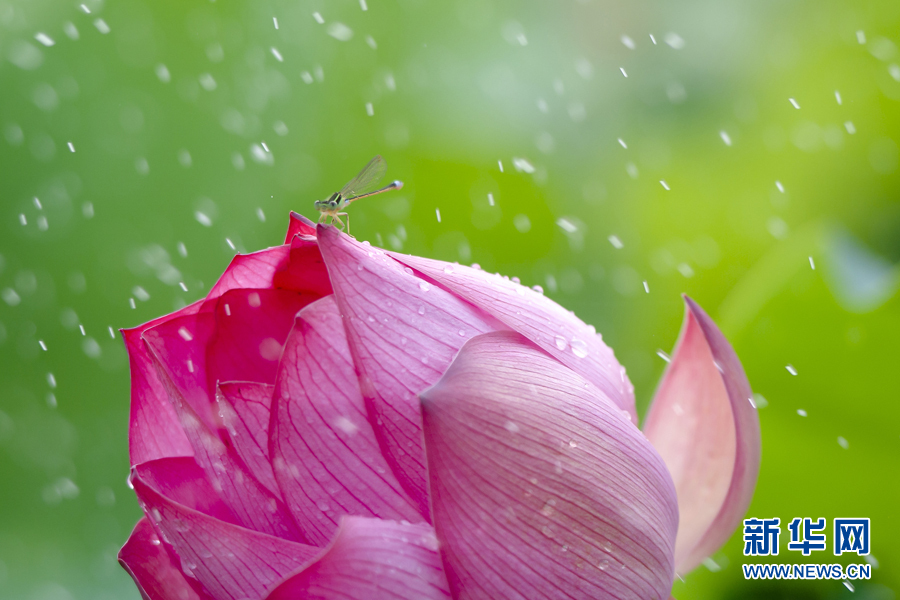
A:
362,185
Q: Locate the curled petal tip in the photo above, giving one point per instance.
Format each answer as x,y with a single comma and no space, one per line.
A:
707,431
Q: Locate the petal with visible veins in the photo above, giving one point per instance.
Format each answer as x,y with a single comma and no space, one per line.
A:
403,333
541,486
245,408
255,506
182,480
554,329
703,423
156,574
372,559
328,463
232,563
154,431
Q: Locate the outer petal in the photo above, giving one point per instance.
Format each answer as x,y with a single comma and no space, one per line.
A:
245,408
231,562
554,329
541,487
704,424
327,458
403,333
371,559
152,568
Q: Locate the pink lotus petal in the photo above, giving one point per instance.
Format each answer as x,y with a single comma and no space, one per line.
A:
372,559
705,427
232,563
237,337
295,266
255,270
299,225
403,333
182,480
153,570
249,331
327,458
154,431
541,486
305,272
245,409
178,347
557,331
255,506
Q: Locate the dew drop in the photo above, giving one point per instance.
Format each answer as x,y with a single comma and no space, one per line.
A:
422,309
560,342
424,286
579,348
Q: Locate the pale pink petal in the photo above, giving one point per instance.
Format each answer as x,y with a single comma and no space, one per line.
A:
232,563
703,423
556,330
154,571
372,559
327,458
154,431
403,333
299,225
255,506
249,331
541,486
182,480
245,408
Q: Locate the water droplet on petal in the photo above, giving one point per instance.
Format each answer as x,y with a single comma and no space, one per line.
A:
560,342
579,348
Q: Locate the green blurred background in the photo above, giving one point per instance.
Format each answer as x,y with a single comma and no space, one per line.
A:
748,139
